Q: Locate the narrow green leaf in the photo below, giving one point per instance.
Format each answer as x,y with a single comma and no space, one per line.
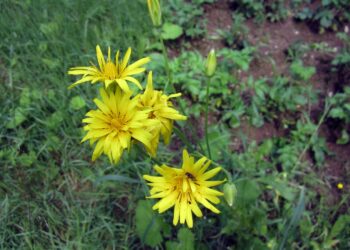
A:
298,211
116,177
147,224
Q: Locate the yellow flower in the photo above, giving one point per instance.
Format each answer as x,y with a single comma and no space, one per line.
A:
115,123
161,110
110,71
184,188
340,185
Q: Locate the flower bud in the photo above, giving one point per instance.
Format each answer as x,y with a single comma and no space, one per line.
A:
155,12
230,193
210,65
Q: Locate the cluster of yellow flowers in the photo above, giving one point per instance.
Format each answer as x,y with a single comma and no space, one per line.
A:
122,118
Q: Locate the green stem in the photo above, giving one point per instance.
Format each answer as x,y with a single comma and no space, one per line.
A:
170,82
323,117
183,138
206,118
167,65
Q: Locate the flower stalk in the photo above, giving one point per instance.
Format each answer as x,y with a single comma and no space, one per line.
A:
210,67
206,117
167,64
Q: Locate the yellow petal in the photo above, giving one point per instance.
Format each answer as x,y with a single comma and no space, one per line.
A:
132,72
154,178
125,60
212,183
96,134
184,185
100,58
98,150
205,203
103,107
82,80
210,191
117,61
167,202
183,209
199,163
176,213
123,85
189,219
193,186
142,136
138,63
195,208
134,81
210,174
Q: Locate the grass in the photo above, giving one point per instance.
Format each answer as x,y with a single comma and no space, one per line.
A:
48,197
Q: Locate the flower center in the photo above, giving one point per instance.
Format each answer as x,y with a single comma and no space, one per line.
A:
117,124
110,71
190,176
151,115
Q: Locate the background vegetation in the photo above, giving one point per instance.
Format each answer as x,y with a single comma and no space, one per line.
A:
282,131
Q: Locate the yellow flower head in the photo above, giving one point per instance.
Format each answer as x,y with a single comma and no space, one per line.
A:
184,188
115,123
110,71
340,185
161,110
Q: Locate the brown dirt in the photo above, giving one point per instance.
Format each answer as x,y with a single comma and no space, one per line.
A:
273,40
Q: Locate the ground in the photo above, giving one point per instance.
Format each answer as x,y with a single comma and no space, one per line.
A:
273,40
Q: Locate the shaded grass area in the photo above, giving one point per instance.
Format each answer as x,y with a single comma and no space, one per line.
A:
48,194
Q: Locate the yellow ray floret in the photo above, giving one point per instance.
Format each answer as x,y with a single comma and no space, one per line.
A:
184,188
115,123
161,110
111,71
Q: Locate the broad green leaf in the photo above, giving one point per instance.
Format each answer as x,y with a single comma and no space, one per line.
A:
77,102
19,117
280,187
27,159
301,71
247,191
148,224
185,241
339,225
337,112
171,31
55,119
344,138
